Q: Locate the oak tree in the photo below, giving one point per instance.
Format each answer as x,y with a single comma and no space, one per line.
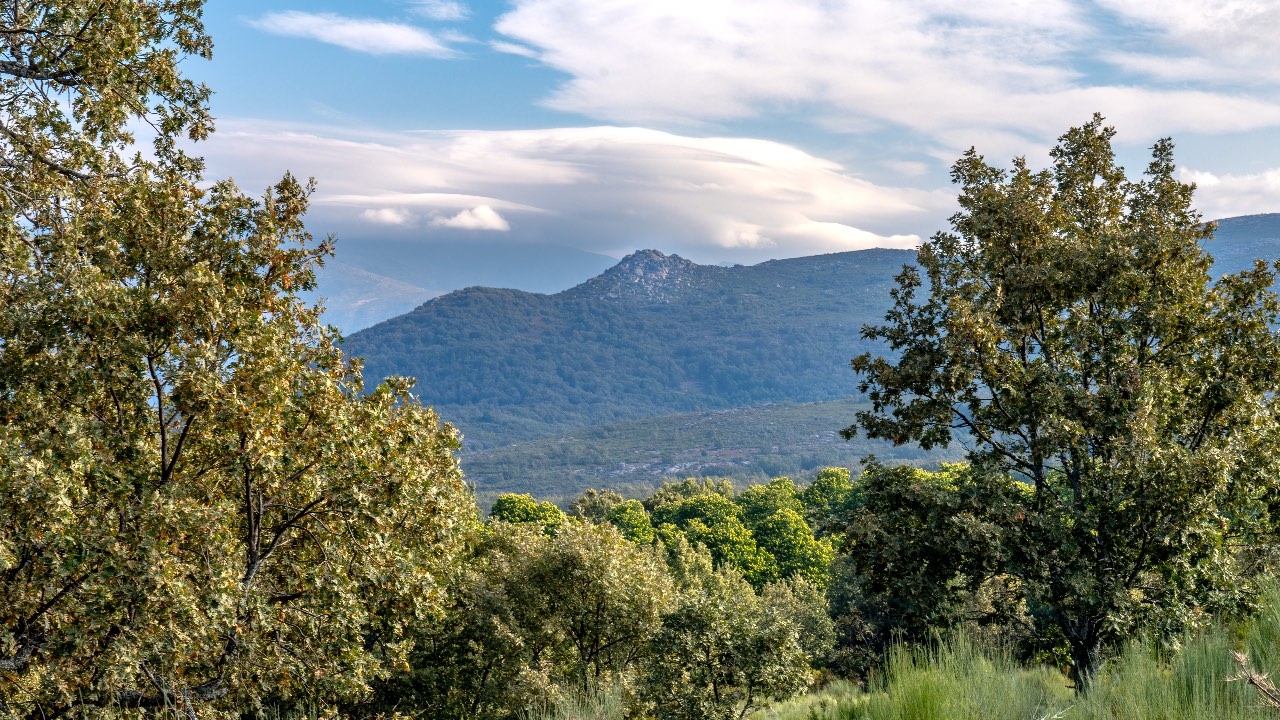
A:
1070,330
201,507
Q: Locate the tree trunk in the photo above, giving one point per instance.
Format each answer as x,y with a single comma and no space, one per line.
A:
1085,638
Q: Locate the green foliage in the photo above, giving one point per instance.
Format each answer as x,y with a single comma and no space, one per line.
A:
830,493
921,544
1071,329
805,604
712,520
723,651
201,507
595,505
77,76
786,537
760,502
604,596
195,497
534,618
631,518
512,508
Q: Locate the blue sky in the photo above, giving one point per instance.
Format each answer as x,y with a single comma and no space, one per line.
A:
724,130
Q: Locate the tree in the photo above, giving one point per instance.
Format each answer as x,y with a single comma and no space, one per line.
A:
920,547
722,652
787,538
494,651
200,505
532,616
760,502
630,517
523,508
606,595
75,74
595,505
712,520
773,514
826,497
1072,332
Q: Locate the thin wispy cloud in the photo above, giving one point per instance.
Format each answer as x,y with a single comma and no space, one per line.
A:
376,37
443,10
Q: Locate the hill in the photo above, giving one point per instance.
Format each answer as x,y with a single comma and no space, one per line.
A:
653,335
749,444
660,366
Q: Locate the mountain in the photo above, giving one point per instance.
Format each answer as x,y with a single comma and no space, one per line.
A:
654,335
1238,241
662,366
355,298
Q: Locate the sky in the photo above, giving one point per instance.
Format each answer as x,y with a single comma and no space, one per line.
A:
722,130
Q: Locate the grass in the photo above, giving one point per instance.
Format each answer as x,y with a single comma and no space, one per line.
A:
608,704
959,679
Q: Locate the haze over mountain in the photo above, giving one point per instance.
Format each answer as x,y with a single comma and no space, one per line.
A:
661,366
370,280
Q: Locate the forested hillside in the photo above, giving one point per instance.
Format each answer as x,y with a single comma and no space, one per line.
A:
652,336
663,367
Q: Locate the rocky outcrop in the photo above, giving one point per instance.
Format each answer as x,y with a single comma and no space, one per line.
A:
645,276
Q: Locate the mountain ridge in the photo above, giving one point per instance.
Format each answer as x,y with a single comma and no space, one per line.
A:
651,337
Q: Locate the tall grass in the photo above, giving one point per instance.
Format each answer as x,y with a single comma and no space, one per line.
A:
607,704
958,679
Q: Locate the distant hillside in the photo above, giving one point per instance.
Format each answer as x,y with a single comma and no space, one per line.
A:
355,298
653,335
1241,240
747,444
660,366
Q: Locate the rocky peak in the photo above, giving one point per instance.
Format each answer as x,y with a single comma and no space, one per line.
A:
645,276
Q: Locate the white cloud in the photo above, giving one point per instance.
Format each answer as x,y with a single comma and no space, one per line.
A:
441,9
376,37
955,73
386,216
481,217
602,189
1228,42
1229,195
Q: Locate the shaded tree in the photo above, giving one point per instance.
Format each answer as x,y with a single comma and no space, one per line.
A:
594,505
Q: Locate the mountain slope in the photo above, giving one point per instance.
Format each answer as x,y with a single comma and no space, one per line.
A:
355,298
662,366
651,336
749,444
